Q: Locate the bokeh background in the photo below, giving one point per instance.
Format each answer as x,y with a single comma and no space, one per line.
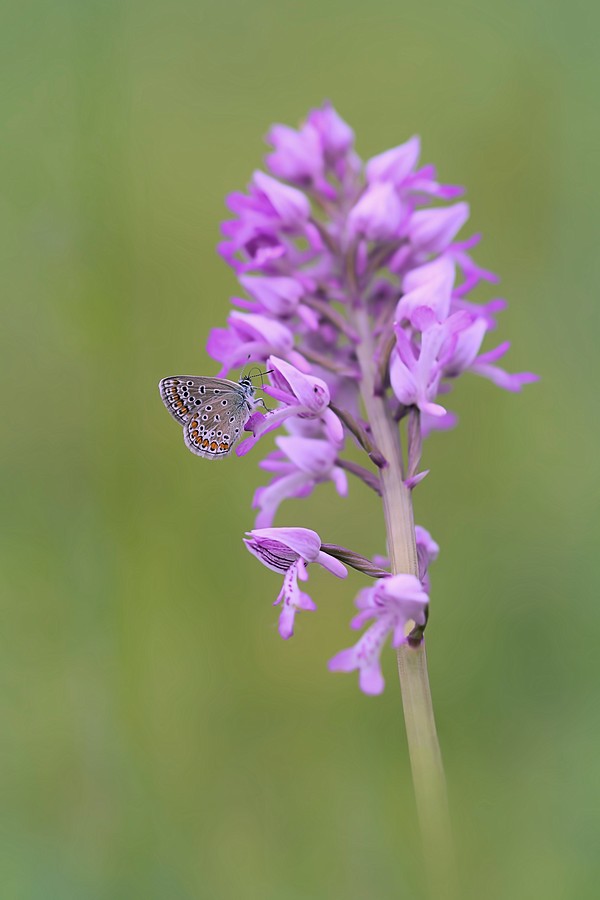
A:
159,740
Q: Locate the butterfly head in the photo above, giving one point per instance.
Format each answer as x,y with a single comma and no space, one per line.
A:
246,384
245,381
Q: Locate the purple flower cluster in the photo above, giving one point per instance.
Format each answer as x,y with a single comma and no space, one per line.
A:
328,249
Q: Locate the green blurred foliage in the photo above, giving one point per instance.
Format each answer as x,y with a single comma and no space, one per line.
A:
159,740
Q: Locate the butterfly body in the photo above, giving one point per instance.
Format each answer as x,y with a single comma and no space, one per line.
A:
212,411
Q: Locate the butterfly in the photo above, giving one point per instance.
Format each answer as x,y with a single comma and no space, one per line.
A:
213,411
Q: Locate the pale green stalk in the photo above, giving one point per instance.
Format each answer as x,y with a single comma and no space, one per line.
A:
424,750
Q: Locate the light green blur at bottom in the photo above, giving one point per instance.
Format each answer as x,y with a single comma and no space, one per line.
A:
159,740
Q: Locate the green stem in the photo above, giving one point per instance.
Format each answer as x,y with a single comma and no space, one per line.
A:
425,757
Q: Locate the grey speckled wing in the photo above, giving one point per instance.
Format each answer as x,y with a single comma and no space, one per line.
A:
212,411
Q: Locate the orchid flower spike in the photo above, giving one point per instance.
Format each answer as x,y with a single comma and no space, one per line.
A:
355,295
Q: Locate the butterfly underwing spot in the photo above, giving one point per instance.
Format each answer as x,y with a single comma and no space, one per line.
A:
176,398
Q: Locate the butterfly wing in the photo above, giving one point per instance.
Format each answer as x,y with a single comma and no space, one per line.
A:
181,394
213,412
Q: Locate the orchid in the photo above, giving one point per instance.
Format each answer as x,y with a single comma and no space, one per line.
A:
393,602
290,550
251,337
356,300
303,396
355,295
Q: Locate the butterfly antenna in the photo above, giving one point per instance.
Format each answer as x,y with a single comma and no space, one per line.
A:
261,375
243,371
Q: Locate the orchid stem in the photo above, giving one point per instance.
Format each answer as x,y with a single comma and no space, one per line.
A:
425,756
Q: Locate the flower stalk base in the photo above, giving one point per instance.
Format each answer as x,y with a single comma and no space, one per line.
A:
427,771
423,745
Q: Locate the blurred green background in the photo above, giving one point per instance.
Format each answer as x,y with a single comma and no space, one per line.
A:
159,740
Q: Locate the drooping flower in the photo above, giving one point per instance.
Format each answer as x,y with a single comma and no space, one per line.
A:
297,155
269,218
335,135
429,285
416,371
432,230
275,295
463,357
309,462
291,208
484,364
251,337
393,603
395,165
378,214
302,395
289,551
